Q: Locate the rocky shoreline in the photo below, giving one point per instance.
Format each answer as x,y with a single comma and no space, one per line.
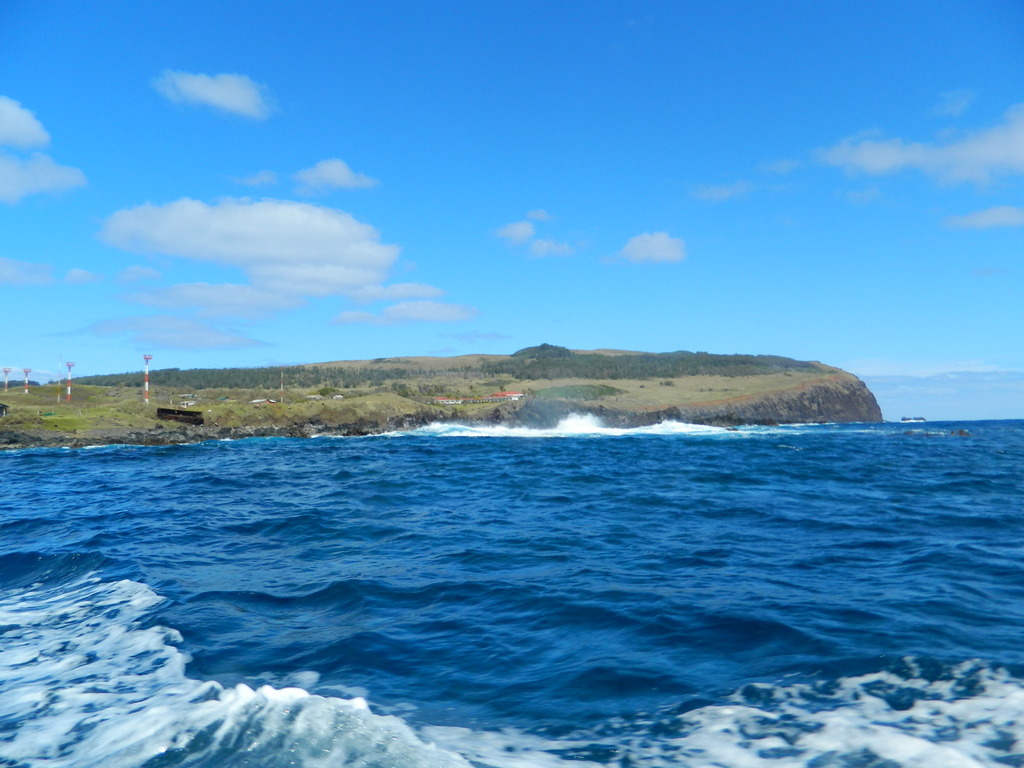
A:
839,398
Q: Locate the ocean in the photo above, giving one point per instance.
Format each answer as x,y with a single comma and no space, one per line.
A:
824,596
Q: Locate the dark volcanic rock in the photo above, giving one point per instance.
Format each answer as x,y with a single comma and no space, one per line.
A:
839,398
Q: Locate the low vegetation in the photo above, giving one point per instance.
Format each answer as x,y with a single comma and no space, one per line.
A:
539,363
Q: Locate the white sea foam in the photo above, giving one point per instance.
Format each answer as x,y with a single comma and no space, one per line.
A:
577,425
88,685
973,718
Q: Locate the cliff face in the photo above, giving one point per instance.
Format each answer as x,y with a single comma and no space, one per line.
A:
837,398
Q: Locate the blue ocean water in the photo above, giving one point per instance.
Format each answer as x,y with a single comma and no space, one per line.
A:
823,596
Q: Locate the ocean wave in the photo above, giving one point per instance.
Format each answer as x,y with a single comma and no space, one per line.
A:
88,683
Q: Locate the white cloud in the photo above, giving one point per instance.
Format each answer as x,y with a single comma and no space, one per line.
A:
171,333
13,272
539,214
292,248
411,311
19,126
517,232
977,157
953,103
331,174
223,300
1000,216
542,248
81,277
20,177
717,193
395,292
232,93
258,179
135,273
654,247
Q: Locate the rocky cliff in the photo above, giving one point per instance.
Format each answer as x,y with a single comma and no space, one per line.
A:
837,398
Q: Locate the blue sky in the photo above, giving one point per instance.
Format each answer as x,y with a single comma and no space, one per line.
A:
228,184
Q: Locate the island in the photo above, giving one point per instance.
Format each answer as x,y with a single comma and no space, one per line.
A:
535,387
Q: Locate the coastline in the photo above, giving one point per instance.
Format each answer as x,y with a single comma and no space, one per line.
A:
839,398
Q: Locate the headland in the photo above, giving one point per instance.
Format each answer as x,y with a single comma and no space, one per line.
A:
535,387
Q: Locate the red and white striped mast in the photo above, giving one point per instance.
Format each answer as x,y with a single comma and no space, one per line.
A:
145,380
27,371
70,366
6,372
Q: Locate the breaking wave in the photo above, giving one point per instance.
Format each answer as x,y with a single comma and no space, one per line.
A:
580,425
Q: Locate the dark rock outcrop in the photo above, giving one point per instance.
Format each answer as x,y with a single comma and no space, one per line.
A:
837,398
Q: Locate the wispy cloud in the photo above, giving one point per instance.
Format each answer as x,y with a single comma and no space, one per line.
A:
232,93
169,332
539,214
782,167
411,311
258,179
78,276
518,232
861,196
953,103
717,193
653,247
331,174
977,157
890,367
14,272
1000,216
218,300
542,248
136,274
395,292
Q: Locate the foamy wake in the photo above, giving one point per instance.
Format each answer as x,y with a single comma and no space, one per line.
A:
972,717
85,685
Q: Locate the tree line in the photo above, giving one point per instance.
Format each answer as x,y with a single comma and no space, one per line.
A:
532,363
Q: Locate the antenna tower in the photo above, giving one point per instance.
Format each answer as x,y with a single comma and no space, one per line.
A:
70,366
27,372
145,381
6,371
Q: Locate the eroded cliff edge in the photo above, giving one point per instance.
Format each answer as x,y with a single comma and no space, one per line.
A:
839,398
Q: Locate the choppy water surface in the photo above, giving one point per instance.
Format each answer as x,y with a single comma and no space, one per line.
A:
821,596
